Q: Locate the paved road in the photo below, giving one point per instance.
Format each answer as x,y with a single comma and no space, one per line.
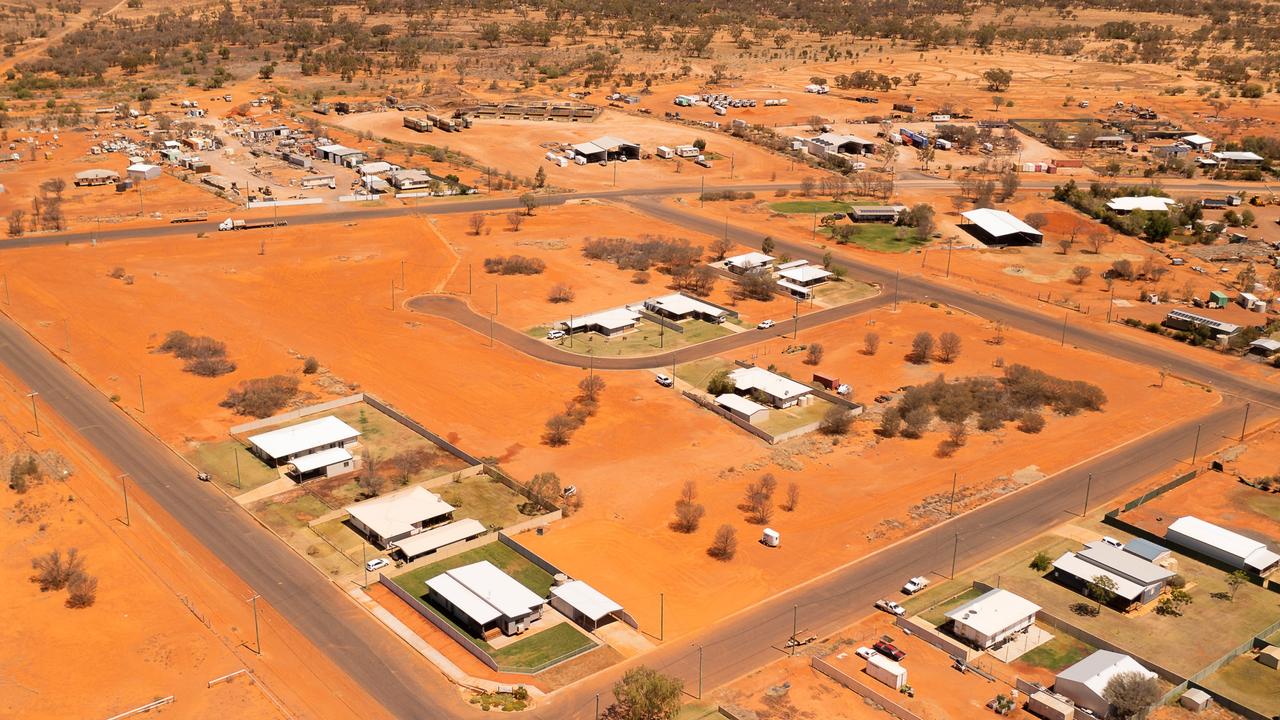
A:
456,309
359,645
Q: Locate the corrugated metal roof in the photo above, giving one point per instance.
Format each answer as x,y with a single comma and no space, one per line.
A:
999,223
303,436
994,611
586,599
396,513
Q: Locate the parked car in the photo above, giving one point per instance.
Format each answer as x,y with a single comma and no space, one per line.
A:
865,652
915,585
764,325
555,334
376,564
664,380
1112,541
890,606
889,650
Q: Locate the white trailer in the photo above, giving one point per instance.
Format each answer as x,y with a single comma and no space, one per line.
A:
887,671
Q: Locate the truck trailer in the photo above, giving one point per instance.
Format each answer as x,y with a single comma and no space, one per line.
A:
230,224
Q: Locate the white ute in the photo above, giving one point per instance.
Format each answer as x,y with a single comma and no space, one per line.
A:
915,585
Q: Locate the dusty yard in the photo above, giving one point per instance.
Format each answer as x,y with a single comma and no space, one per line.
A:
1221,499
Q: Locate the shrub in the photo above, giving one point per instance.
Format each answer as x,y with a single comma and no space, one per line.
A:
814,354
310,366
1041,562
1031,423
514,265
1177,582
890,423
23,473
53,571
688,516
837,421
82,591
204,356
921,348
561,293
261,397
871,343
725,544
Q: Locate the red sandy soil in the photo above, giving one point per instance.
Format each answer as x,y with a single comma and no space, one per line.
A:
139,641
555,235
517,146
621,542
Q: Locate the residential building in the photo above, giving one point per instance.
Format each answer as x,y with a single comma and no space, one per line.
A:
584,604
1146,203
440,536
484,600
1237,158
326,437
992,618
144,171
678,306
769,387
1198,142
747,262
1173,150
1265,348
96,176
1223,545
1136,580
1085,683
805,276
405,180
1110,141
1183,320
999,228
605,322
390,518
1148,551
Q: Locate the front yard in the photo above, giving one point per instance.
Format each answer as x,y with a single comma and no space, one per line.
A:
503,557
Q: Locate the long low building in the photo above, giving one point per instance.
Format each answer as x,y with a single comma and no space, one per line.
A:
742,407
429,541
1219,543
96,176
780,391
605,322
997,227
1136,579
1145,203
607,147
747,262
992,617
282,446
395,516
1183,320
678,306
876,213
484,600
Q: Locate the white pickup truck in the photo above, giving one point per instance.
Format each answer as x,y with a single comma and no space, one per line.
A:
915,585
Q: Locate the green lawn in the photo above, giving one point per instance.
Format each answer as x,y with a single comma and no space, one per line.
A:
1058,654
881,237
938,613
537,650
1250,682
1265,503
506,560
810,206
698,373
781,421
646,339
482,498
219,460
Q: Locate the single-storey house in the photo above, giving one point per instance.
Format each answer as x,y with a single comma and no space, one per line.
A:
876,213
1198,142
747,261
404,180
607,147
678,306
1146,203
779,391
326,437
742,407
340,154
1237,158
144,171
395,516
997,227
1110,141
605,322
1174,150
96,176
1183,320
992,617
377,167
1137,580
260,134
806,276
1265,347
584,605
484,600
830,144
1223,545
440,536
1085,682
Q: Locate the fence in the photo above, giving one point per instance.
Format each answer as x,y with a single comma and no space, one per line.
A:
528,554
834,399
446,627
710,405
418,428
848,681
1090,639
659,320
295,414
931,635
1231,704
1147,497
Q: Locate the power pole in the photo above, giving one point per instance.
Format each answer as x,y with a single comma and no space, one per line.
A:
1111,302
1195,451
699,672
897,278
955,554
468,278
142,397
662,616
235,452
402,275
393,295
35,414
951,509
951,244
124,485
1087,489
1243,425
257,633
1064,329
364,559
795,326
795,626
702,194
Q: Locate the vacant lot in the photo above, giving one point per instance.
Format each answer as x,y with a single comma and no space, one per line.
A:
1218,497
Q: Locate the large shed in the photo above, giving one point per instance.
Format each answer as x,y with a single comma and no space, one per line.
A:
584,605
1085,682
997,227
1223,545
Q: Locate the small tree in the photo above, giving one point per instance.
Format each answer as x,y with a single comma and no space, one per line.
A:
948,346
1041,562
921,348
767,245
310,366
540,177
870,343
17,222
82,590
645,694
544,491
720,383
591,386
1130,693
890,423
559,428
836,421
1031,422
529,201
998,79
792,500
814,355
54,571
725,544
1080,273
370,481
1235,579
476,223
515,220
688,516
561,293
1173,603
720,247
1101,589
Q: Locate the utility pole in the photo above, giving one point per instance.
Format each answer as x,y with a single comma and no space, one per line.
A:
142,396
951,244
1064,329
597,706
1087,489
813,237
795,325
795,626
951,509
490,331
955,554
1111,302
468,278
615,173
662,616
364,559
702,194
235,452
897,278
393,295
257,633
402,274
124,486
35,414
732,157
66,335
1195,451
699,672
7,299
1243,425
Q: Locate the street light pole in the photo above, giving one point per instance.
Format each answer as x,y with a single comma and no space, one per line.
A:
35,414
402,274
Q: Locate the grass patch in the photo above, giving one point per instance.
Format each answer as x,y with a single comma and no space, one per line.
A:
1250,682
781,421
791,207
1265,504
698,711
506,560
1058,654
482,498
219,460
647,338
698,373
880,237
537,650
938,613
292,513
842,292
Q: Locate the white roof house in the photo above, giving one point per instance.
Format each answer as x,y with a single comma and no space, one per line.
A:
805,274
1148,203
438,537
303,438
484,593
398,514
338,150
1085,682
607,320
748,261
680,305
1238,157
992,617
1001,226
324,458
377,167
1222,544
1196,141
784,391
585,600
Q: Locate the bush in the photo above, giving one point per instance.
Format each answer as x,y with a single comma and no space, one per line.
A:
837,421
310,366
82,591
814,354
514,265
23,473
1177,582
1085,609
1031,423
204,356
725,544
560,293
53,571
921,348
720,383
559,429
261,397
1041,562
